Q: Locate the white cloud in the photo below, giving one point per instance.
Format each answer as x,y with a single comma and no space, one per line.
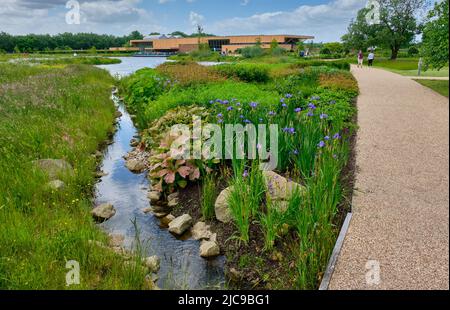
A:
195,18
325,21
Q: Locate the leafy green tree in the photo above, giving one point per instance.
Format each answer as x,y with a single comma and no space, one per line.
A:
435,36
397,28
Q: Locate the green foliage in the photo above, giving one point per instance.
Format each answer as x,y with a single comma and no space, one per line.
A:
203,94
63,41
209,195
77,60
245,72
252,51
54,113
435,36
140,88
398,27
246,196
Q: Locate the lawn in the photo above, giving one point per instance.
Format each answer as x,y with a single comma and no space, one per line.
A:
438,86
274,241
59,113
407,67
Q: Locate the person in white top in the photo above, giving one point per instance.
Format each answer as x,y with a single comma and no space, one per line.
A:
371,58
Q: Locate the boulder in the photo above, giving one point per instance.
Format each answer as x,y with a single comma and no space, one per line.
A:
118,114
209,249
56,185
135,165
180,224
221,207
54,167
173,200
116,240
154,196
279,188
167,219
201,231
153,263
103,212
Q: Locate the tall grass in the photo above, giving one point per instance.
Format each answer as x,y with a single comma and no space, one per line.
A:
246,196
53,113
209,194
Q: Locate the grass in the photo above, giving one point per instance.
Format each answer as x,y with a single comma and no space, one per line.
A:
77,61
407,67
438,86
208,196
54,113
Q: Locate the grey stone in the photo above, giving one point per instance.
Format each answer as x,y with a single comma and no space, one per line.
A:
103,212
180,224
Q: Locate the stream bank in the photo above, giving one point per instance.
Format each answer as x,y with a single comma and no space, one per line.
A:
181,265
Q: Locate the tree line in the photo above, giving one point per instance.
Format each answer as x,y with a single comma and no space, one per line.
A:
65,41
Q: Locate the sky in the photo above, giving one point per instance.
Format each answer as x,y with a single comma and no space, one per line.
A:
327,20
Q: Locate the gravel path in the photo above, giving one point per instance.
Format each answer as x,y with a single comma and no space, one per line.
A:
401,201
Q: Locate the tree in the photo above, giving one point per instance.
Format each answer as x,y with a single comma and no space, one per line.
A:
435,36
179,34
397,27
398,23
332,48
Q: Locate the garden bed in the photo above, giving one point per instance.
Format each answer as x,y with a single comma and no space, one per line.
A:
273,241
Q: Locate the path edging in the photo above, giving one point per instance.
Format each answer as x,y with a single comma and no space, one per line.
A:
335,254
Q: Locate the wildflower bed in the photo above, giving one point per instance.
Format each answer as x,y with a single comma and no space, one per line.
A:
267,246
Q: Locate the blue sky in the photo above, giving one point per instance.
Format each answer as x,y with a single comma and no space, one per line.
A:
325,19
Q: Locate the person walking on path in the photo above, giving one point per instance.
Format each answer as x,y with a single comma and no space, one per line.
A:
371,58
360,59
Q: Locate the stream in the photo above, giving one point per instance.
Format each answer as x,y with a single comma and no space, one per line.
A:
181,265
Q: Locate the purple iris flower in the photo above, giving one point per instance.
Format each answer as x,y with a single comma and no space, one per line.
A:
288,96
312,106
225,102
289,130
310,114
245,174
323,116
229,108
315,98
220,115
241,116
327,138
284,105
238,104
220,121
321,144
295,152
282,100
272,113
211,102
253,104
337,136
247,121
298,110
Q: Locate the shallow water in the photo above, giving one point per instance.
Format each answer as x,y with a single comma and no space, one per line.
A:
130,65
181,265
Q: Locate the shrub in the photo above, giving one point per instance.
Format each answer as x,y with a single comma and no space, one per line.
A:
204,94
340,64
140,88
252,51
339,80
189,73
245,72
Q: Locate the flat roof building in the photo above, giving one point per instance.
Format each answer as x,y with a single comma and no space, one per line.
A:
228,44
